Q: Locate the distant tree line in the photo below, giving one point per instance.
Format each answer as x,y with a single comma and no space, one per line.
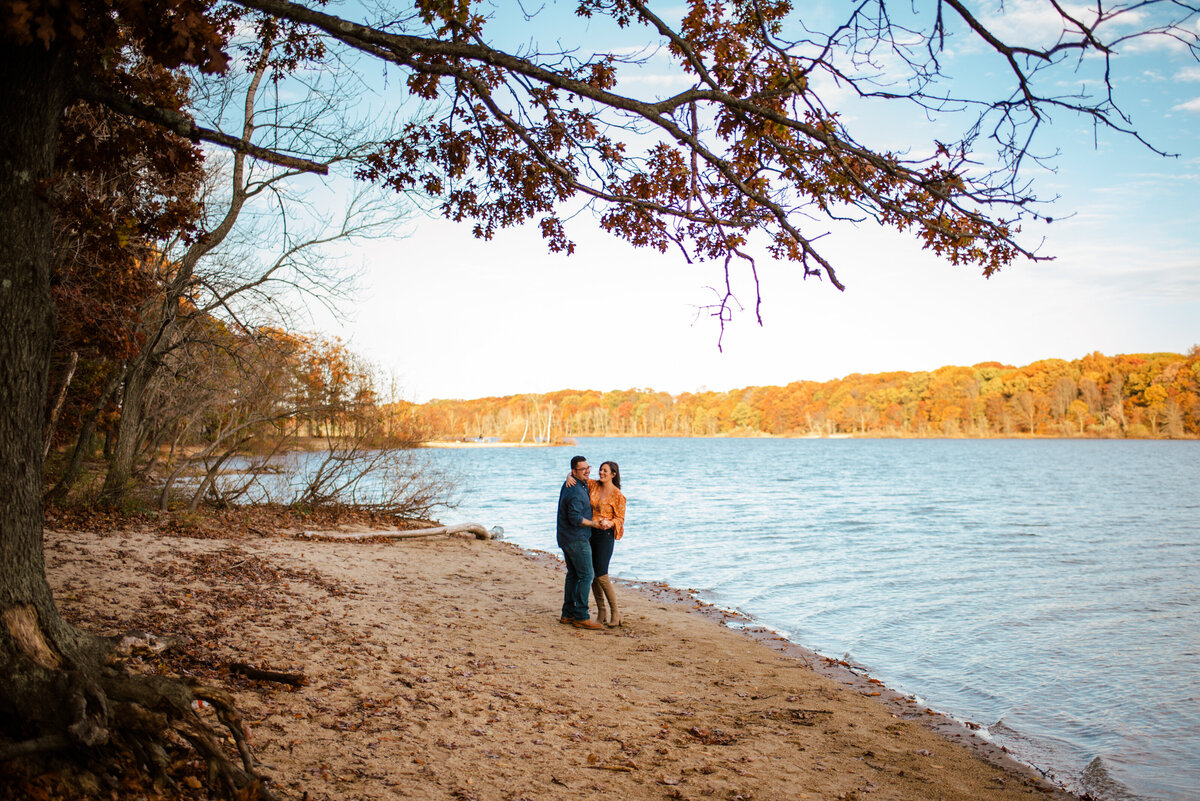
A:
1152,395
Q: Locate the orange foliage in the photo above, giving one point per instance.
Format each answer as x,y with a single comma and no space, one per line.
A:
1131,395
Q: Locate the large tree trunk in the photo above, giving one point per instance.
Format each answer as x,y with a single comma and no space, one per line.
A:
35,644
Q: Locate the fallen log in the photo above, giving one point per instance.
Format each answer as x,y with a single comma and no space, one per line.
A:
477,529
262,674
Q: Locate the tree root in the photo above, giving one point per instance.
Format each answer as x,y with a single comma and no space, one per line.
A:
38,745
154,706
115,722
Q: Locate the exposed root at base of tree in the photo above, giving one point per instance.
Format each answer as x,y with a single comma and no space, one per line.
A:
131,735
160,736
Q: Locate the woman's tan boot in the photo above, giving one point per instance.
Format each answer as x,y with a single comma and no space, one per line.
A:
606,584
598,591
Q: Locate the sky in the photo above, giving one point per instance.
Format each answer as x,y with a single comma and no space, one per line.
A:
450,316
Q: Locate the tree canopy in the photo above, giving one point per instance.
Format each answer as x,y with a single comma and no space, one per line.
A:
754,157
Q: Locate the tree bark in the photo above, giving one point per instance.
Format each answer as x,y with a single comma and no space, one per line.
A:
36,645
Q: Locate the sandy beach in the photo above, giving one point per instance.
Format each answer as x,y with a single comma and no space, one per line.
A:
437,669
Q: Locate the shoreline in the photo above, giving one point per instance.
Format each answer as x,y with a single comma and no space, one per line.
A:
856,436
855,678
437,669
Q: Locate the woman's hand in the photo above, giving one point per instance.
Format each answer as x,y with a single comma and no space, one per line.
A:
570,481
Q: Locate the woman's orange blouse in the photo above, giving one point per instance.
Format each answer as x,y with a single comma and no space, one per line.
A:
613,507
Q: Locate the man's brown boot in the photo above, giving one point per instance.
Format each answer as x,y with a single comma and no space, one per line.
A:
614,618
598,591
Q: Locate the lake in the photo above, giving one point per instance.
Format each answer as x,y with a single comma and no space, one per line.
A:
1045,589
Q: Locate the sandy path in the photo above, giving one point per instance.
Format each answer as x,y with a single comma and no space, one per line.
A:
438,670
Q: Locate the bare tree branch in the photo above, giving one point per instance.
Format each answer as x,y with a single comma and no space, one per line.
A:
185,126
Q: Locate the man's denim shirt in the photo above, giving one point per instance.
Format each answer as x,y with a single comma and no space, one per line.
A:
573,506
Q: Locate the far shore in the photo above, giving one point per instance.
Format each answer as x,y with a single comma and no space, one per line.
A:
759,435
446,443
320,444
437,669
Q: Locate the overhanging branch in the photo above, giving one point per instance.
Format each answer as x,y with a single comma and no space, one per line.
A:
184,126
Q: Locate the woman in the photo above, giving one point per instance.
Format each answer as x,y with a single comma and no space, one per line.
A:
608,508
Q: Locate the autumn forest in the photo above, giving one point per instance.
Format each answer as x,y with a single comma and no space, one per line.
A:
1133,395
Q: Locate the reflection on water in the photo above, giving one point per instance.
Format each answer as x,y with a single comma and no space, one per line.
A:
1045,589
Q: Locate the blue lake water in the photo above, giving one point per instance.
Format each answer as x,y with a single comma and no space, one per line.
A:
1046,589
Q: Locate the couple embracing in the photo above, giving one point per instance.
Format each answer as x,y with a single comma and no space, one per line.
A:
591,518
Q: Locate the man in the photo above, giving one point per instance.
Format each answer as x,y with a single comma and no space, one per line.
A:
574,534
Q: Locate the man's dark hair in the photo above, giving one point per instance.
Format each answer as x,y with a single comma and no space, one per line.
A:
575,460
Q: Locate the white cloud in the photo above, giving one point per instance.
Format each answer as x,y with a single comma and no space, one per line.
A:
680,80
1191,105
1033,21
1153,45
1190,74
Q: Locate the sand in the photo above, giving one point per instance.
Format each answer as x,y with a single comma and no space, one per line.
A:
437,669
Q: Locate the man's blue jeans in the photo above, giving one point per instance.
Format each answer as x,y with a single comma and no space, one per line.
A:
578,556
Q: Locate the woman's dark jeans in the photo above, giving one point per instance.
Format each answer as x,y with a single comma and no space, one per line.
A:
602,551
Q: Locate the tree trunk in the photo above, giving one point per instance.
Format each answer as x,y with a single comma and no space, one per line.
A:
83,445
120,467
129,436
36,646
59,398
210,476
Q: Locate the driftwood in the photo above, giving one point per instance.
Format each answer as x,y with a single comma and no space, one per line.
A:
260,674
477,529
